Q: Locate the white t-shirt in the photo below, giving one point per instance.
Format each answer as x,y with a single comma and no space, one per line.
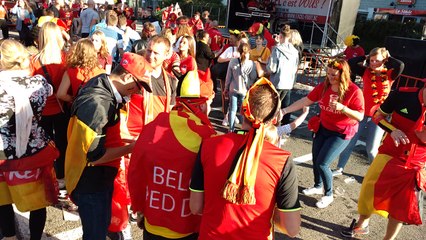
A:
230,52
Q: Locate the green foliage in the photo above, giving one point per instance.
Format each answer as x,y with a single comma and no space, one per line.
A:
373,33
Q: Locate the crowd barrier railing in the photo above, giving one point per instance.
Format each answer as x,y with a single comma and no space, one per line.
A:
408,81
312,68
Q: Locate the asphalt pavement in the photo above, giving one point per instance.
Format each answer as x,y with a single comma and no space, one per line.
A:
316,223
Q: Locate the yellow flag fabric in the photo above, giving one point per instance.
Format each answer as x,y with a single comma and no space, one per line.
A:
80,138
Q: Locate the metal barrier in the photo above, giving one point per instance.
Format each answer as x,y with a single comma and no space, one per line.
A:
408,81
312,69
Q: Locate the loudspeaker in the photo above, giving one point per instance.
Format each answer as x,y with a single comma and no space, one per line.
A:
411,51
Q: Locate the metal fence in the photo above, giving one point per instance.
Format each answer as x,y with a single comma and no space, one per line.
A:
312,69
408,81
216,12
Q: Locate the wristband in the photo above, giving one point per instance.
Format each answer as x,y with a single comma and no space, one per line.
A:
385,125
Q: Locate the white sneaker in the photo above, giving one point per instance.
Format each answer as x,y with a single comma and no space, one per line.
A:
225,121
324,202
127,233
337,172
312,191
237,121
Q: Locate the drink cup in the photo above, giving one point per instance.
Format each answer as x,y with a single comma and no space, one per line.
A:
334,98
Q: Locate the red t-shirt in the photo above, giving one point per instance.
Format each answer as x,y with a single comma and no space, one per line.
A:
77,78
216,39
113,140
187,64
174,60
224,220
351,52
56,71
103,62
76,10
336,120
135,115
66,17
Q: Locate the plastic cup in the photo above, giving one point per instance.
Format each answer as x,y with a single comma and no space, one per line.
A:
334,98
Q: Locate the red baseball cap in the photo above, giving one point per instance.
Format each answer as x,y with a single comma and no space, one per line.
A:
138,67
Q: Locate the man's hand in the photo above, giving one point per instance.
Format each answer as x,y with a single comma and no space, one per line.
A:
399,137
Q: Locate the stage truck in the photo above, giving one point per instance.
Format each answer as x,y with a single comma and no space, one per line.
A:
313,18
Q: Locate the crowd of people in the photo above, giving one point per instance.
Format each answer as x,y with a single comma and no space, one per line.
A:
119,118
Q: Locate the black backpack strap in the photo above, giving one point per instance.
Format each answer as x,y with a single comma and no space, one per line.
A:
47,75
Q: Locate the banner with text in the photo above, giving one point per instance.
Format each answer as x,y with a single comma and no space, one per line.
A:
303,10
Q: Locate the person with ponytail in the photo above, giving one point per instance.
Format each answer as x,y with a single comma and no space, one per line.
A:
239,175
342,107
240,76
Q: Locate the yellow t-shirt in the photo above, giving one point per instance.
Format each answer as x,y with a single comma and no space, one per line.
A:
255,54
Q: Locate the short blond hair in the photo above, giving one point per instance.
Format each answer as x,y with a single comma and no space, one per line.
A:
14,55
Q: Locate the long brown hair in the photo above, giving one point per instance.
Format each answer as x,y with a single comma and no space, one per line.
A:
191,45
103,51
243,49
345,77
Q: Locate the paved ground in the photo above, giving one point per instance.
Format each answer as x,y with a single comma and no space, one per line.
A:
316,223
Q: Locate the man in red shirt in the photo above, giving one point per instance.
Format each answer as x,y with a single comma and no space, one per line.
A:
215,36
162,161
145,107
240,181
196,23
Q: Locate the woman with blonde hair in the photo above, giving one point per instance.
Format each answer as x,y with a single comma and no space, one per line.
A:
82,62
342,107
24,145
296,40
283,66
50,62
101,47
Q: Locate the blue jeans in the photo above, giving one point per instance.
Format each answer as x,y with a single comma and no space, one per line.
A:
373,138
326,146
285,95
235,101
95,213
